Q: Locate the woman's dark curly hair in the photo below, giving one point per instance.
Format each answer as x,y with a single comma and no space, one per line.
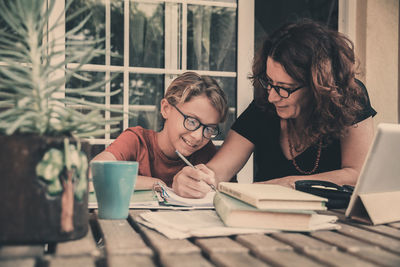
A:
323,61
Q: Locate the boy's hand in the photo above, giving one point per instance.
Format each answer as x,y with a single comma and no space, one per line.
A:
193,182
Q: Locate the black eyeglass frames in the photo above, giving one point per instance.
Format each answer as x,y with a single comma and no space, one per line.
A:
192,124
281,91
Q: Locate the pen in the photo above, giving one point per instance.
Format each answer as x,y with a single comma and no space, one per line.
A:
191,165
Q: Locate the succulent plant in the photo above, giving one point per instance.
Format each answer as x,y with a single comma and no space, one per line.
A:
33,97
33,94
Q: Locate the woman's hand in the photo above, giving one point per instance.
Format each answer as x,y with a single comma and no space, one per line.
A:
193,182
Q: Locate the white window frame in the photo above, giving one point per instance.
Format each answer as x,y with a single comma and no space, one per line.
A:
245,54
245,51
171,67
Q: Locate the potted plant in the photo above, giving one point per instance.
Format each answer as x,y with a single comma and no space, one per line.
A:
43,165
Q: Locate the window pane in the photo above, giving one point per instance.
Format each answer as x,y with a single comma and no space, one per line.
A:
117,32
86,79
145,94
94,27
211,43
146,35
229,87
223,1
269,15
117,83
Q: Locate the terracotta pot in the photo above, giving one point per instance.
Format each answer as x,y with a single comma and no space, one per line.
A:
28,214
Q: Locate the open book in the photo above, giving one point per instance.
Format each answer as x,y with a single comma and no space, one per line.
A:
139,199
167,197
161,197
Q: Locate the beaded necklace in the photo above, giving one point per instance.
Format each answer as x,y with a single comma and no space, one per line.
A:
316,161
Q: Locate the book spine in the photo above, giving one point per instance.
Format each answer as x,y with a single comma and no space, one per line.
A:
237,195
229,191
221,207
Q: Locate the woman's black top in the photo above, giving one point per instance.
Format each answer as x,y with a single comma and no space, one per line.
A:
263,130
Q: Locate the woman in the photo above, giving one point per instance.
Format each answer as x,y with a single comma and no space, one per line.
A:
310,119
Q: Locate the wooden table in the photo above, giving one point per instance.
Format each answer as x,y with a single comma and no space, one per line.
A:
126,243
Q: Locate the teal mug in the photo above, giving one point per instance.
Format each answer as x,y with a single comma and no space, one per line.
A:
114,183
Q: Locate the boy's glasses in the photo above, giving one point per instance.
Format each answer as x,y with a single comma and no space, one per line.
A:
281,91
192,124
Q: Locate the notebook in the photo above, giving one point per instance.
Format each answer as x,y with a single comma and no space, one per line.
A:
161,197
376,197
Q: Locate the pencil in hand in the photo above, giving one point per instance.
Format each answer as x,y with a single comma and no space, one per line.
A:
191,165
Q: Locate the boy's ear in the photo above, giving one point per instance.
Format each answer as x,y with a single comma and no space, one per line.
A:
165,108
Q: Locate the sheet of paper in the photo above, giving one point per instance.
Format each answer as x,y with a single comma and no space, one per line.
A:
198,223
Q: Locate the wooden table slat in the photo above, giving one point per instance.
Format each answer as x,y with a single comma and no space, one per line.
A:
184,260
363,250
303,242
286,258
85,246
381,229
385,242
274,251
232,259
262,242
28,262
337,258
75,262
343,242
379,256
120,238
395,225
21,251
220,245
130,260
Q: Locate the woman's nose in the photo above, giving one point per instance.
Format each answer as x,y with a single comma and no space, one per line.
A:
273,96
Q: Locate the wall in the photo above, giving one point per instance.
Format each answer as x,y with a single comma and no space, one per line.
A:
377,47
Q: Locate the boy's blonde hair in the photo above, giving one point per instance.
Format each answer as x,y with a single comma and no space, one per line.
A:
190,84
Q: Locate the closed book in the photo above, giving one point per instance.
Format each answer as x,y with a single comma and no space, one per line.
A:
270,196
236,213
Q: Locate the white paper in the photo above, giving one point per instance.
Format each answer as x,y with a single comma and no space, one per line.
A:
197,223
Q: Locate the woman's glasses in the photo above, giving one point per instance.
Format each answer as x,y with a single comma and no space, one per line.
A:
281,91
192,124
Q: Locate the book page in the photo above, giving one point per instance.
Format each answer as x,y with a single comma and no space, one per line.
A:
173,199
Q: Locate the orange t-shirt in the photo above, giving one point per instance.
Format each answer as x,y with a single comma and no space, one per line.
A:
139,144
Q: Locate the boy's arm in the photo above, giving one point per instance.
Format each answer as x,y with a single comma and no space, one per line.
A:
146,182
142,182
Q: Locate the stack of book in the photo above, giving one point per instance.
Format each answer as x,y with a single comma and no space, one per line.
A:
271,207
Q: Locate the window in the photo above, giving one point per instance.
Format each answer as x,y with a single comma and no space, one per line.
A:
148,43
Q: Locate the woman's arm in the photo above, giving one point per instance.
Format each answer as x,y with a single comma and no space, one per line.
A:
354,147
142,182
229,159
